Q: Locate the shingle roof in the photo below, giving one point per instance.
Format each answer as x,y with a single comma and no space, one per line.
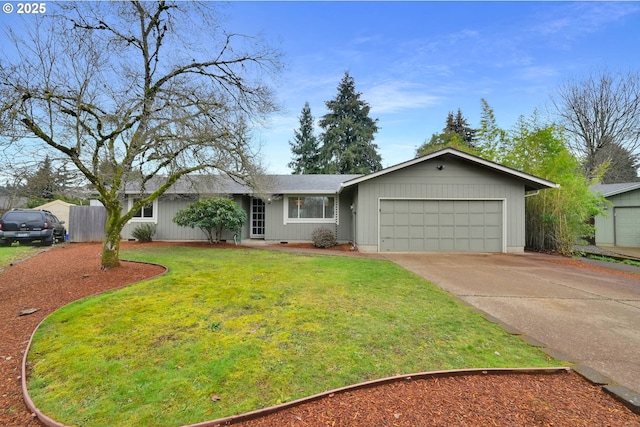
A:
268,184
613,189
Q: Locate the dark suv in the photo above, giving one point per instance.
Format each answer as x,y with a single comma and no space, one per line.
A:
30,225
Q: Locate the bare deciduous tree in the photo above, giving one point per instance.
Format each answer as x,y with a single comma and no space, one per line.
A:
598,111
145,90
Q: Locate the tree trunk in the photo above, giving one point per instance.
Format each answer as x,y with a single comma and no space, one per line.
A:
111,245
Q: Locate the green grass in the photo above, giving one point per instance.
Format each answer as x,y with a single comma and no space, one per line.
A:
255,328
614,260
12,254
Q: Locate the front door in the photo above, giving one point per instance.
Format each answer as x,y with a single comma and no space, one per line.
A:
257,218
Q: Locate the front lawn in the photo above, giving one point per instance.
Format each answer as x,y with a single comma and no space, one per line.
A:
230,331
11,254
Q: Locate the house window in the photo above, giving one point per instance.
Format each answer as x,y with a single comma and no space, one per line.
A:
310,208
147,213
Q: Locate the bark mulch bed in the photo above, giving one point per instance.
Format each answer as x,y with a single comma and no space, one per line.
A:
68,272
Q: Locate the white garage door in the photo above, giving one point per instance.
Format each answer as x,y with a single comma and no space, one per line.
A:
628,226
441,225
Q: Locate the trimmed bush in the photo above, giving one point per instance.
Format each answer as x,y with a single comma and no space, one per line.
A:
323,238
212,216
144,232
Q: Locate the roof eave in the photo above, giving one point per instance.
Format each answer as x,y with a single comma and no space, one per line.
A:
535,182
621,190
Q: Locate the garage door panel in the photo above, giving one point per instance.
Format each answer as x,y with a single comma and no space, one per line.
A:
447,232
462,232
463,245
441,225
431,231
417,219
446,219
401,232
416,245
446,206
431,218
461,219
627,226
477,232
386,219
447,245
493,232
493,219
418,233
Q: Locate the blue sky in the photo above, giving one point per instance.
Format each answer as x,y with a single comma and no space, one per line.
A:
414,62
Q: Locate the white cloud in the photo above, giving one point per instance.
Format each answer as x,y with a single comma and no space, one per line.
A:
391,97
539,73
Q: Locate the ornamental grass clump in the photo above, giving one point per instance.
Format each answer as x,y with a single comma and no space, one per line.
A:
144,232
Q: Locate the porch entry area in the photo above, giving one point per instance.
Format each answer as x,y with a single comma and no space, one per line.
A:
257,220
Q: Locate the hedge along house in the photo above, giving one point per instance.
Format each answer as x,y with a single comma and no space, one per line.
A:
445,201
621,225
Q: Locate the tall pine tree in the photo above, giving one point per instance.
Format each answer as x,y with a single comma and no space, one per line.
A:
348,133
456,133
305,146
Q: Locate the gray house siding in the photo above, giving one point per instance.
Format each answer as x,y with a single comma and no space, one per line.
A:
278,229
167,230
458,180
457,201
621,227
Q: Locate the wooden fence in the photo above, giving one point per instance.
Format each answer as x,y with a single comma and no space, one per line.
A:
87,223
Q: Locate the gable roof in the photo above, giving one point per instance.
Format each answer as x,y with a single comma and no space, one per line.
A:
269,184
612,189
531,182
53,203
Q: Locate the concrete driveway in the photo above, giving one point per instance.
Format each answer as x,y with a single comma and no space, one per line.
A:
580,315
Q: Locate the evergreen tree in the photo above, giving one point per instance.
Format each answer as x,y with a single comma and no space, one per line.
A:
621,165
457,133
458,125
44,183
305,148
348,133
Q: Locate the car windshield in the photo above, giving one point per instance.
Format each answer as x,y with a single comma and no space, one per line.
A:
23,217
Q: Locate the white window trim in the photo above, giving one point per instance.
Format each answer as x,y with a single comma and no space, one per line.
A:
287,220
153,219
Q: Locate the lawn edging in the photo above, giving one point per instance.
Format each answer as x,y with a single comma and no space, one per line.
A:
44,419
398,378
247,416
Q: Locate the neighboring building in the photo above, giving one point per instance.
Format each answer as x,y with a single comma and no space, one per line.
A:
445,201
621,224
8,202
60,209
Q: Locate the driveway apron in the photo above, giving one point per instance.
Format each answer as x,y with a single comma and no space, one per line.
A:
592,317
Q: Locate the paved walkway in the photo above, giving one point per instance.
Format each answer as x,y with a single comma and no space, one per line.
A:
632,252
579,315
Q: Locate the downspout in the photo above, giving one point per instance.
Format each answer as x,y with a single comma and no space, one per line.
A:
355,229
532,194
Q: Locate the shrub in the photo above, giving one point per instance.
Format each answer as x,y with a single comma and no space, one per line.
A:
212,216
144,232
323,238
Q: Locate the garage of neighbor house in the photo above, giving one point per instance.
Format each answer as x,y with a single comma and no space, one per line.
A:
620,226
